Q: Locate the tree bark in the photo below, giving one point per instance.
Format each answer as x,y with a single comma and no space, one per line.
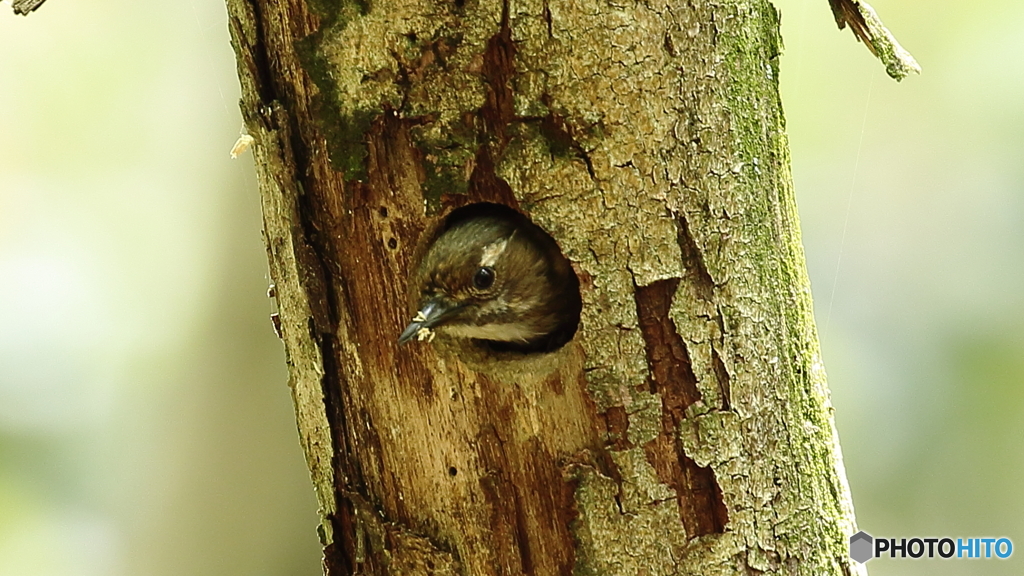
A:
687,428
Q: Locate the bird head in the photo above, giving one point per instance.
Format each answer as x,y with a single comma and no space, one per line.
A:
497,279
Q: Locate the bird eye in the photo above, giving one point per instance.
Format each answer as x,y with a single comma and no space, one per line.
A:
484,278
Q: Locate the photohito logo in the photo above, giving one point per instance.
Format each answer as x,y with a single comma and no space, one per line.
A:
864,547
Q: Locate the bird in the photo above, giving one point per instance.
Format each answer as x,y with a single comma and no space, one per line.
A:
495,277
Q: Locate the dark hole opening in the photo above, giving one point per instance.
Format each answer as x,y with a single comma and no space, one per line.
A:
559,305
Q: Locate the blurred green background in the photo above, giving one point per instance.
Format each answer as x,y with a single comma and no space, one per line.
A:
145,424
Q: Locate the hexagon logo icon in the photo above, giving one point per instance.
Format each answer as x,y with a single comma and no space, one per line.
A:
861,547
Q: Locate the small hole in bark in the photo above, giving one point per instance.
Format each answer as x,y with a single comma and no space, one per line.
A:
383,211
392,243
452,471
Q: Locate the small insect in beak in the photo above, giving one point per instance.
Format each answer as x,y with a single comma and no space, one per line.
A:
421,327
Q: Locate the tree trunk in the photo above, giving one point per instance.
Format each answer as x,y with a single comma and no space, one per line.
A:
687,427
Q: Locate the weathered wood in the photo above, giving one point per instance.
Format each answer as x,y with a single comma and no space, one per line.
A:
868,28
24,7
687,428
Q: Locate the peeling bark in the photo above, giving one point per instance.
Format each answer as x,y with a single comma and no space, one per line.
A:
687,428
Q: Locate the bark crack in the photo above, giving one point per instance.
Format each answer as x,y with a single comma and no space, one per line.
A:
701,506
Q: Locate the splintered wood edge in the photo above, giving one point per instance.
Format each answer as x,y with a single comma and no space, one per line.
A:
868,28
23,7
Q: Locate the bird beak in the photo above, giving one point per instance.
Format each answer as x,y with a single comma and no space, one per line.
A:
432,313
